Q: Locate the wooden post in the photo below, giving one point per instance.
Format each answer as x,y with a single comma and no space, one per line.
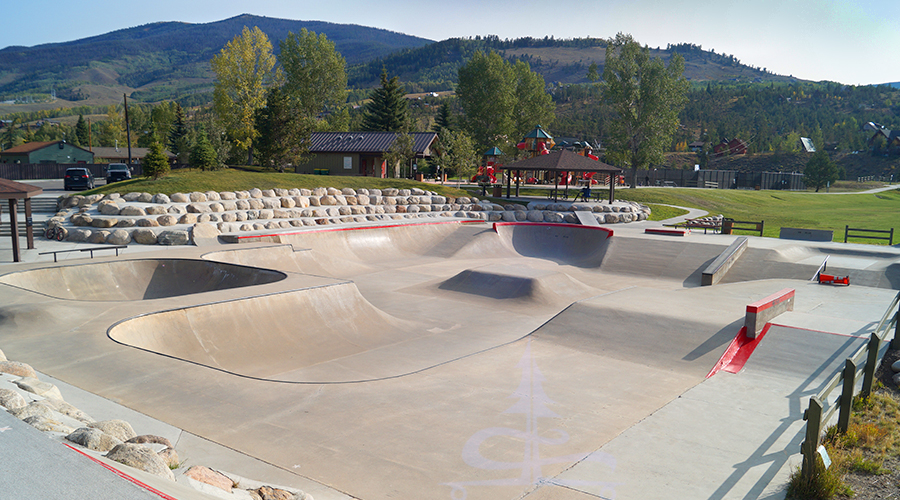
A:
846,400
29,225
895,342
14,228
813,417
846,232
871,365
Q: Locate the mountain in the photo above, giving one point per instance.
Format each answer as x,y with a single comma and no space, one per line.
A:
173,56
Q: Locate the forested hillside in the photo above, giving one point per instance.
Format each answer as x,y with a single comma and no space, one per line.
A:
172,54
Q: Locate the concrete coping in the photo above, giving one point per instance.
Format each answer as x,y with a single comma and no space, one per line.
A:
718,268
762,311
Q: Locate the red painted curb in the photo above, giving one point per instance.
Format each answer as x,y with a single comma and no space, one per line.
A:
770,301
668,232
738,352
609,232
123,475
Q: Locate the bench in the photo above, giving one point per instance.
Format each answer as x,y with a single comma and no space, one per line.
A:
595,196
704,224
91,250
555,194
729,225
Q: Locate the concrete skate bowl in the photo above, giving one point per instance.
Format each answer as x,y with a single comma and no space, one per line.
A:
125,280
568,244
322,334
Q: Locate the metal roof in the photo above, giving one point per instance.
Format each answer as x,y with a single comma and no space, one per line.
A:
30,147
17,190
367,142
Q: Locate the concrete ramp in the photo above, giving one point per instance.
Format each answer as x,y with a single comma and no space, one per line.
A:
138,279
568,244
270,336
518,283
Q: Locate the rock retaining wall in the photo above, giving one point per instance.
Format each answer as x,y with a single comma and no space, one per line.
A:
175,220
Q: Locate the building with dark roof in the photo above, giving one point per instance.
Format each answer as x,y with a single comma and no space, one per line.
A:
359,153
120,155
46,152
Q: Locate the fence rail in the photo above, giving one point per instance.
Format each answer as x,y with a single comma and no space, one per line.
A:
863,362
889,238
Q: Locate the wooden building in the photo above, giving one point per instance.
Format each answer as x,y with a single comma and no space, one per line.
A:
46,152
359,153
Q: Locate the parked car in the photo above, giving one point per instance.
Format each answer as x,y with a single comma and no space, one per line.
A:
79,179
116,172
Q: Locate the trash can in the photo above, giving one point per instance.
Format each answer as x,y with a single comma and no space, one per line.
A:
727,225
420,177
498,191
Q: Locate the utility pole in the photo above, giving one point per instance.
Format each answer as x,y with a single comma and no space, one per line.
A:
127,129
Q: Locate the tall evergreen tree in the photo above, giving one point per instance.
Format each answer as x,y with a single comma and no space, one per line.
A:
82,135
178,141
820,171
203,156
10,137
283,135
155,163
442,120
388,110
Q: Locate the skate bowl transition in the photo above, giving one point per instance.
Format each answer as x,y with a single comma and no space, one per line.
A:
138,279
420,360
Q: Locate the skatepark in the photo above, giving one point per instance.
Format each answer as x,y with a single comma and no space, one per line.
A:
457,358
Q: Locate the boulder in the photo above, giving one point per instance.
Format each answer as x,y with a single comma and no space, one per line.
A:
170,457
78,235
108,208
116,238
150,439
204,231
895,366
144,236
2,356
31,409
227,195
173,237
132,211
144,198
208,476
156,210
104,223
167,220
268,193
35,386
256,193
197,208
17,368
212,196
553,217
93,439
82,220
118,429
288,203
161,199
216,207
535,216
45,424
11,400
147,223
180,198
60,406
140,457
98,237
196,197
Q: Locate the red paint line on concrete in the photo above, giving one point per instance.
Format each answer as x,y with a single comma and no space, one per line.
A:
670,232
609,232
770,301
357,228
123,475
738,352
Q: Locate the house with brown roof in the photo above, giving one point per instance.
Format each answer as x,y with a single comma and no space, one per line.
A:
359,153
46,152
120,155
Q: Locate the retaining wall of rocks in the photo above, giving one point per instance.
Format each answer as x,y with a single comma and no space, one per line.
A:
149,219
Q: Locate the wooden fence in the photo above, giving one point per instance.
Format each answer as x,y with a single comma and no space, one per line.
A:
864,362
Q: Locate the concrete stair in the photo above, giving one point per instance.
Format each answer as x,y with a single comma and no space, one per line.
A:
41,209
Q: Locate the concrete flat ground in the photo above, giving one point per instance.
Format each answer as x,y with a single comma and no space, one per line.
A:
455,361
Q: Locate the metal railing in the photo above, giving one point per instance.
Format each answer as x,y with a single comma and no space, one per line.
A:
863,362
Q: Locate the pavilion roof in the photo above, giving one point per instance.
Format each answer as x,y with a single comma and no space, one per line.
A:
562,160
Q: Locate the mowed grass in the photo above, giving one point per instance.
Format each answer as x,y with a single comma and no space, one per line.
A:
779,209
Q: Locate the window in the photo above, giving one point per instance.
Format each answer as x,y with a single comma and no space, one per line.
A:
348,162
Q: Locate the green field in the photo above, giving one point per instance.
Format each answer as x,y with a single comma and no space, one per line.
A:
777,208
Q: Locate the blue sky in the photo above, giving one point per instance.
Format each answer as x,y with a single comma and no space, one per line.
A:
848,41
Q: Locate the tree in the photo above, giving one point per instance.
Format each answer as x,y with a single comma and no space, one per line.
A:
820,171
593,75
646,97
243,69
178,141
315,75
112,130
283,135
388,110
82,134
457,153
400,152
155,163
203,156
501,102
442,120
10,136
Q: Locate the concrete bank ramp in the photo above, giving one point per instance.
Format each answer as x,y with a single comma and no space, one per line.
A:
519,283
328,333
138,279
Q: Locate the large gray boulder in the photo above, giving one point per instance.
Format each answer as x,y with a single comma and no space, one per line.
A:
11,400
132,211
93,439
140,457
173,237
17,368
119,237
144,236
118,429
35,386
47,424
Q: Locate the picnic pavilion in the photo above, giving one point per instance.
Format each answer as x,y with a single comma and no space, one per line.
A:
15,191
559,161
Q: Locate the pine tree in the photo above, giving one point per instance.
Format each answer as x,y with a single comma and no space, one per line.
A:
155,164
442,121
203,156
388,110
178,141
283,134
82,135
